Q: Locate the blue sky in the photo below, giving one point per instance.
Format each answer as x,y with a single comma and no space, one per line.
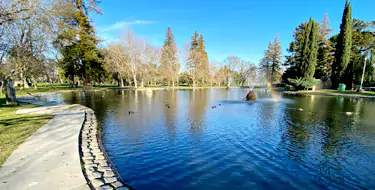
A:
230,27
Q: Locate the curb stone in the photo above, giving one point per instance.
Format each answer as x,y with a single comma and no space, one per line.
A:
96,166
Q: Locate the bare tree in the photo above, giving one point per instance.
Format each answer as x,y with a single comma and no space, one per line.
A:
232,63
116,61
245,71
133,58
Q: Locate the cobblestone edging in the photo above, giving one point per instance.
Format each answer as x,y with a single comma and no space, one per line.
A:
97,167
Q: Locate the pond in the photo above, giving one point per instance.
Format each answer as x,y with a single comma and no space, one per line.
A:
178,139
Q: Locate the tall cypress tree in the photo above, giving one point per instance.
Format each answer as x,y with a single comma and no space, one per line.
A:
342,53
313,51
307,60
305,57
302,63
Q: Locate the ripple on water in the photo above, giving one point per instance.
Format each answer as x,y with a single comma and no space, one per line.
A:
238,145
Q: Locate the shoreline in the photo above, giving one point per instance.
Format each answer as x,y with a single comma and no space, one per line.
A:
97,167
310,93
83,152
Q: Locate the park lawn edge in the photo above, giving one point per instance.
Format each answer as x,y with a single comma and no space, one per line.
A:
15,129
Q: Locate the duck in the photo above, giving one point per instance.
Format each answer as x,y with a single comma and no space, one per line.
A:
219,104
349,113
131,112
300,109
213,107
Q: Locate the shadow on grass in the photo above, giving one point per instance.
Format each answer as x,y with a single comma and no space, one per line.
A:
19,120
15,129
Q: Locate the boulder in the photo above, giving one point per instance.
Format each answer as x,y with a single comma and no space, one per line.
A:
251,96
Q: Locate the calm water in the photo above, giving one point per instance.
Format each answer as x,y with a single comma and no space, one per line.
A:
238,145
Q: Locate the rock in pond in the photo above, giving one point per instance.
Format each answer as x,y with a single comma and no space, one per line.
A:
251,96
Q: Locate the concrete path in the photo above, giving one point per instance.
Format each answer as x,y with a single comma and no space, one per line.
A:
49,159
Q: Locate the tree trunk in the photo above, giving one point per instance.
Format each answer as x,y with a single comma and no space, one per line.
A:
122,82
25,83
142,84
135,80
272,73
10,93
35,83
173,83
228,84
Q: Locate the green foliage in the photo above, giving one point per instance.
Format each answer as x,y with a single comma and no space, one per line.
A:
78,47
342,53
304,83
304,53
325,51
295,47
363,41
308,57
185,78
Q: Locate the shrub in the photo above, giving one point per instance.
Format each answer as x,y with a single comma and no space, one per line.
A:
304,83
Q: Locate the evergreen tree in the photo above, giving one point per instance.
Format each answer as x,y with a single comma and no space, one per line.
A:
78,46
295,47
301,73
308,59
340,68
193,62
325,51
204,68
197,63
271,62
169,61
295,51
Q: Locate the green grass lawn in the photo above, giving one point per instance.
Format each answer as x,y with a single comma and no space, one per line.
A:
365,93
16,128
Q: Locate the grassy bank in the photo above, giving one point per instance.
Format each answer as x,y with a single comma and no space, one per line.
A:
347,93
16,128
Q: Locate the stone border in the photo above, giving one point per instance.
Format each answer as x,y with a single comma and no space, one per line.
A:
98,169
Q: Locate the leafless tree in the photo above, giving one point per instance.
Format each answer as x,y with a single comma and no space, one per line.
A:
232,63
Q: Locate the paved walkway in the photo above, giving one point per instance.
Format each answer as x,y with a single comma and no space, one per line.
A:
48,159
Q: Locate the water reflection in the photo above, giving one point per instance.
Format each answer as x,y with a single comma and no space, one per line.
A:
301,142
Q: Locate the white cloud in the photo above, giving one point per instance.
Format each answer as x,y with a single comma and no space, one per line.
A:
123,24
